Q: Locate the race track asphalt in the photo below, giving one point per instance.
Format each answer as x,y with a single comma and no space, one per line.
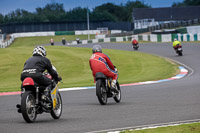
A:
172,101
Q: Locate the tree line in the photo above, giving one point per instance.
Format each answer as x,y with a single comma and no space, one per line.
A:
54,12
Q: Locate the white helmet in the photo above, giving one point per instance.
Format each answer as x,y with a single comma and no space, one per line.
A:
96,48
175,39
39,50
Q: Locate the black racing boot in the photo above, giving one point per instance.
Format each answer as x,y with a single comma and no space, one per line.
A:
19,108
47,93
113,86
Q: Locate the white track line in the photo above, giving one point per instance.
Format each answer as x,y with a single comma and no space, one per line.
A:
192,71
178,76
117,130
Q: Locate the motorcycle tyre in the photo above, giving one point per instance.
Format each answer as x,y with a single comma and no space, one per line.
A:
135,48
117,98
53,114
24,107
180,53
99,87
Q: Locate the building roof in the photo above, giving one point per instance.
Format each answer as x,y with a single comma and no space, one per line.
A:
167,13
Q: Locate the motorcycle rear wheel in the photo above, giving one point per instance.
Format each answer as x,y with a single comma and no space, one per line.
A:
101,92
56,113
28,107
117,98
180,53
135,47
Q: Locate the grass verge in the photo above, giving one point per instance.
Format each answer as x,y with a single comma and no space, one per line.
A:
184,128
32,41
73,64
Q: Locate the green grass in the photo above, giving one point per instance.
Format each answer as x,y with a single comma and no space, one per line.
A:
73,64
184,128
32,41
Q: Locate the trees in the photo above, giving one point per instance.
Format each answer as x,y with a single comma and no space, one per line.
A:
53,12
76,14
121,12
134,4
1,18
18,15
118,12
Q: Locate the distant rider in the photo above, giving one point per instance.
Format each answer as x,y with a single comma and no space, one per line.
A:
63,41
134,42
77,40
100,62
36,65
175,44
52,42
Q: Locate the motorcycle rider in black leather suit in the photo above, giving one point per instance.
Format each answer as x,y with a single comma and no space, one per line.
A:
36,65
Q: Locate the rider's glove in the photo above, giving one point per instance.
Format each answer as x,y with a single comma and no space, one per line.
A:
59,78
115,69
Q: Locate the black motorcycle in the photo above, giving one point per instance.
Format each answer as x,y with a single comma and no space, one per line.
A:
179,50
33,100
103,89
135,46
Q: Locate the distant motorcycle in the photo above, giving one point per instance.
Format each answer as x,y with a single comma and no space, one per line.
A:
103,89
179,50
135,46
33,100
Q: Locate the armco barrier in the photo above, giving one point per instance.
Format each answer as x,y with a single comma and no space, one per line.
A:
30,34
153,38
145,37
166,38
7,43
107,40
150,37
159,38
198,37
27,34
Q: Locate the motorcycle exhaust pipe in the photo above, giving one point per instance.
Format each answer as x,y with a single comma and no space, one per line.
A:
45,107
37,95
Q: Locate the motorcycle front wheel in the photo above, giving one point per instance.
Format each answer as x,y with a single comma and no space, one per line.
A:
101,92
57,111
28,107
117,97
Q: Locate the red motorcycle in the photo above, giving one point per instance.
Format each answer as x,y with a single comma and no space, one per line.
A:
135,44
103,89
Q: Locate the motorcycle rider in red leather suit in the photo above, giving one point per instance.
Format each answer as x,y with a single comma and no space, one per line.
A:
100,62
